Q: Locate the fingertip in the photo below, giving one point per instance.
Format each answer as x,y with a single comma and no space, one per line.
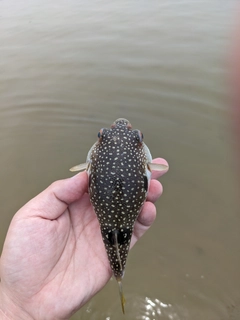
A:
155,190
147,215
160,161
80,180
158,174
144,221
71,189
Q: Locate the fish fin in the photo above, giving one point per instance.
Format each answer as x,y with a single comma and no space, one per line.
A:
122,298
157,167
79,167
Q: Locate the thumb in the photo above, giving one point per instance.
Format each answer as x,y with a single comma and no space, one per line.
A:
53,201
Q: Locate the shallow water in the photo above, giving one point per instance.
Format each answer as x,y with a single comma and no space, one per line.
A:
68,69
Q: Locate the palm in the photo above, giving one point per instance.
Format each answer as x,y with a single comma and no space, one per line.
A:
64,253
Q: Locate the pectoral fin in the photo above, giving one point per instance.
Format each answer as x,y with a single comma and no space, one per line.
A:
157,167
79,167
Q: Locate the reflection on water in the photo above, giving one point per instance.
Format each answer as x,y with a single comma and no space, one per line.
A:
155,309
195,300
68,69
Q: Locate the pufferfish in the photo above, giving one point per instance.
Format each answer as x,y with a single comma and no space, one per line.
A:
119,167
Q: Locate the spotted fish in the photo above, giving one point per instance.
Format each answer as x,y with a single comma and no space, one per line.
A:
119,167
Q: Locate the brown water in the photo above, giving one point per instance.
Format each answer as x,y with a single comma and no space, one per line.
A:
68,68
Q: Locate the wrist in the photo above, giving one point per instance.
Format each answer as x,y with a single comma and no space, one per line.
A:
9,310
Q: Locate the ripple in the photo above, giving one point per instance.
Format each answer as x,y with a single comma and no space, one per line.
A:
137,307
153,308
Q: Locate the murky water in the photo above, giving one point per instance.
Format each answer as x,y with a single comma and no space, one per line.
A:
68,68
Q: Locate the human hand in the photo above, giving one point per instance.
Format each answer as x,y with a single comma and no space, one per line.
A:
53,259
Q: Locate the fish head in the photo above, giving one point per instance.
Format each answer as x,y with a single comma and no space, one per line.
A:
120,137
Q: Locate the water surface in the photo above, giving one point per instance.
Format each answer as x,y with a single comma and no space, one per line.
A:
69,68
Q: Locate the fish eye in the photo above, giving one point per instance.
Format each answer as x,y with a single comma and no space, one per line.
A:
139,136
100,134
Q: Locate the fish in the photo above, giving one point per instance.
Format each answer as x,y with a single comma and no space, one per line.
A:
119,167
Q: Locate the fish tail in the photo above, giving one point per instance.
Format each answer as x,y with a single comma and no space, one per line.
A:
119,278
121,295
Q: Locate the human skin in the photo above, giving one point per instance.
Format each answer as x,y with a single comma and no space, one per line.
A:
53,260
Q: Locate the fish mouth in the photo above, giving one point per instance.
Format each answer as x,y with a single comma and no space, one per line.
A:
121,122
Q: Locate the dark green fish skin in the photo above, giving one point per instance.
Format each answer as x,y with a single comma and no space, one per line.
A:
118,186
